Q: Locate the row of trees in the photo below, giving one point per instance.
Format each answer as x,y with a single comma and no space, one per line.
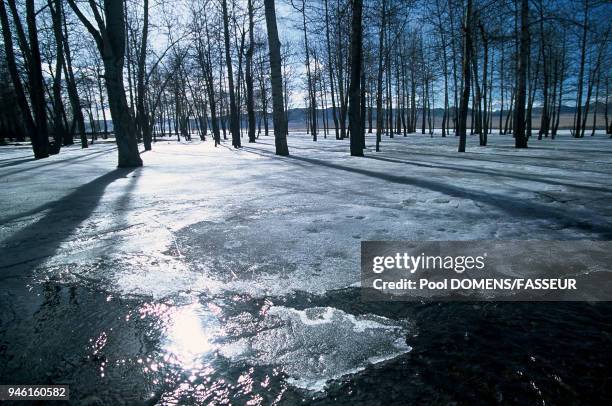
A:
139,82
485,64
379,66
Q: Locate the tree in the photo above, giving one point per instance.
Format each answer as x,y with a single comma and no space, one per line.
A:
110,41
36,117
330,65
379,83
278,116
40,151
579,91
141,114
520,137
61,134
466,71
312,98
354,88
73,93
36,86
234,122
249,73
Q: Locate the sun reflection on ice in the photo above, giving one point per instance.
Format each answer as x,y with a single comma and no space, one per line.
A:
190,334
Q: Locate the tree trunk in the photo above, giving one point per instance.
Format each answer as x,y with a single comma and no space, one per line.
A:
330,64
477,102
595,108
545,119
311,90
484,130
276,79
36,85
608,127
379,79
455,76
578,114
234,124
341,84
39,150
73,93
520,138
465,96
354,87
142,117
61,133
249,74
111,44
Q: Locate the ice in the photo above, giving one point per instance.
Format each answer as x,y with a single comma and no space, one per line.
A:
201,219
319,344
208,223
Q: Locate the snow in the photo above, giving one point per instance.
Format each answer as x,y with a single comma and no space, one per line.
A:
196,221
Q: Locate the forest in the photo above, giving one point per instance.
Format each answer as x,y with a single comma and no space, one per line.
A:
141,71
191,191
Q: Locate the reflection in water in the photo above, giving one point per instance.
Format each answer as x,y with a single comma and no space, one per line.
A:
189,336
188,353
122,350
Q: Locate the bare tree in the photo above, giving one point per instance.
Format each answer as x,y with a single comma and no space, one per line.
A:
466,72
249,72
520,137
234,121
278,116
354,88
110,40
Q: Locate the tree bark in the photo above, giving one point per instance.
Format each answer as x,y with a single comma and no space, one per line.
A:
142,117
37,93
110,40
465,96
354,87
61,134
40,150
545,119
520,138
234,123
330,64
278,116
379,79
73,93
484,130
249,73
578,114
311,90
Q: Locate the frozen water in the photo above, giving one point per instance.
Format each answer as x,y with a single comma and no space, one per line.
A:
318,344
196,218
198,222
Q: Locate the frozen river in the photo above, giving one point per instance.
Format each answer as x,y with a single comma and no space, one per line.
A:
221,275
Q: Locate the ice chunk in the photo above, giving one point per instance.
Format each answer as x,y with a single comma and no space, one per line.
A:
319,344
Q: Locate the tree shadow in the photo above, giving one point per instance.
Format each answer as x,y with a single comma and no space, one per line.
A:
264,153
506,174
483,157
564,148
51,161
30,246
507,203
12,162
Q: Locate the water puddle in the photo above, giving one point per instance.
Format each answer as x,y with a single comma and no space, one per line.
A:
310,347
319,344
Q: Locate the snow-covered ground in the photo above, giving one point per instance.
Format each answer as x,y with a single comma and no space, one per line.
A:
175,241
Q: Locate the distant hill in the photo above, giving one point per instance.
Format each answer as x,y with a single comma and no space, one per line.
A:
297,117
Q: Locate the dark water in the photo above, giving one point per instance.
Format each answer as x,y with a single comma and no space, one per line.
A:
113,350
